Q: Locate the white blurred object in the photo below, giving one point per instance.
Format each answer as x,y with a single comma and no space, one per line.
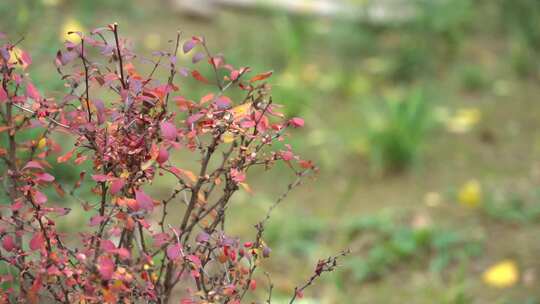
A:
380,11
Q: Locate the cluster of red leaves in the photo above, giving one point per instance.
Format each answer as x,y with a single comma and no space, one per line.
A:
128,125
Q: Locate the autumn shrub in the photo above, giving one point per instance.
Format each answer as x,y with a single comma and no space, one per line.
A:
125,126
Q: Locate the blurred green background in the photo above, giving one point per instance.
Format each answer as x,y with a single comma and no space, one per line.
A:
423,116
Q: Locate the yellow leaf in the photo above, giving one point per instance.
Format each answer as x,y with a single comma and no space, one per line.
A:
501,275
42,143
470,194
241,110
246,187
228,137
147,164
71,25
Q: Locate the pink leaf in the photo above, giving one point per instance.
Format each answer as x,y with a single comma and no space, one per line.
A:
8,243
286,155
160,239
238,176
105,267
100,178
33,165
117,185
163,155
32,92
96,220
174,251
45,177
195,260
107,245
26,59
297,122
145,202
168,130
3,95
36,242
39,197
17,205
123,253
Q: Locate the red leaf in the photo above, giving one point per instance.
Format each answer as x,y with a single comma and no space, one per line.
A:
36,242
261,76
253,285
174,251
197,75
105,267
168,130
32,92
145,202
117,185
8,243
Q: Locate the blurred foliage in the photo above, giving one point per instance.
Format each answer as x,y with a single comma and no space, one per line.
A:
374,96
397,130
389,244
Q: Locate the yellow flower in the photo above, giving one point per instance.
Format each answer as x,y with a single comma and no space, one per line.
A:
71,25
470,194
501,275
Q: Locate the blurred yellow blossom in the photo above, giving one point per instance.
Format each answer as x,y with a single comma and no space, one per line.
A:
152,41
50,2
432,199
463,120
501,275
310,73
470,194
71,25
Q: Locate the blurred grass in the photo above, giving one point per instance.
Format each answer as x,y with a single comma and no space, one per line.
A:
455,90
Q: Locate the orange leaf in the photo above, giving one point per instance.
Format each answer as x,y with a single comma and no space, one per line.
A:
261,76
64,158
